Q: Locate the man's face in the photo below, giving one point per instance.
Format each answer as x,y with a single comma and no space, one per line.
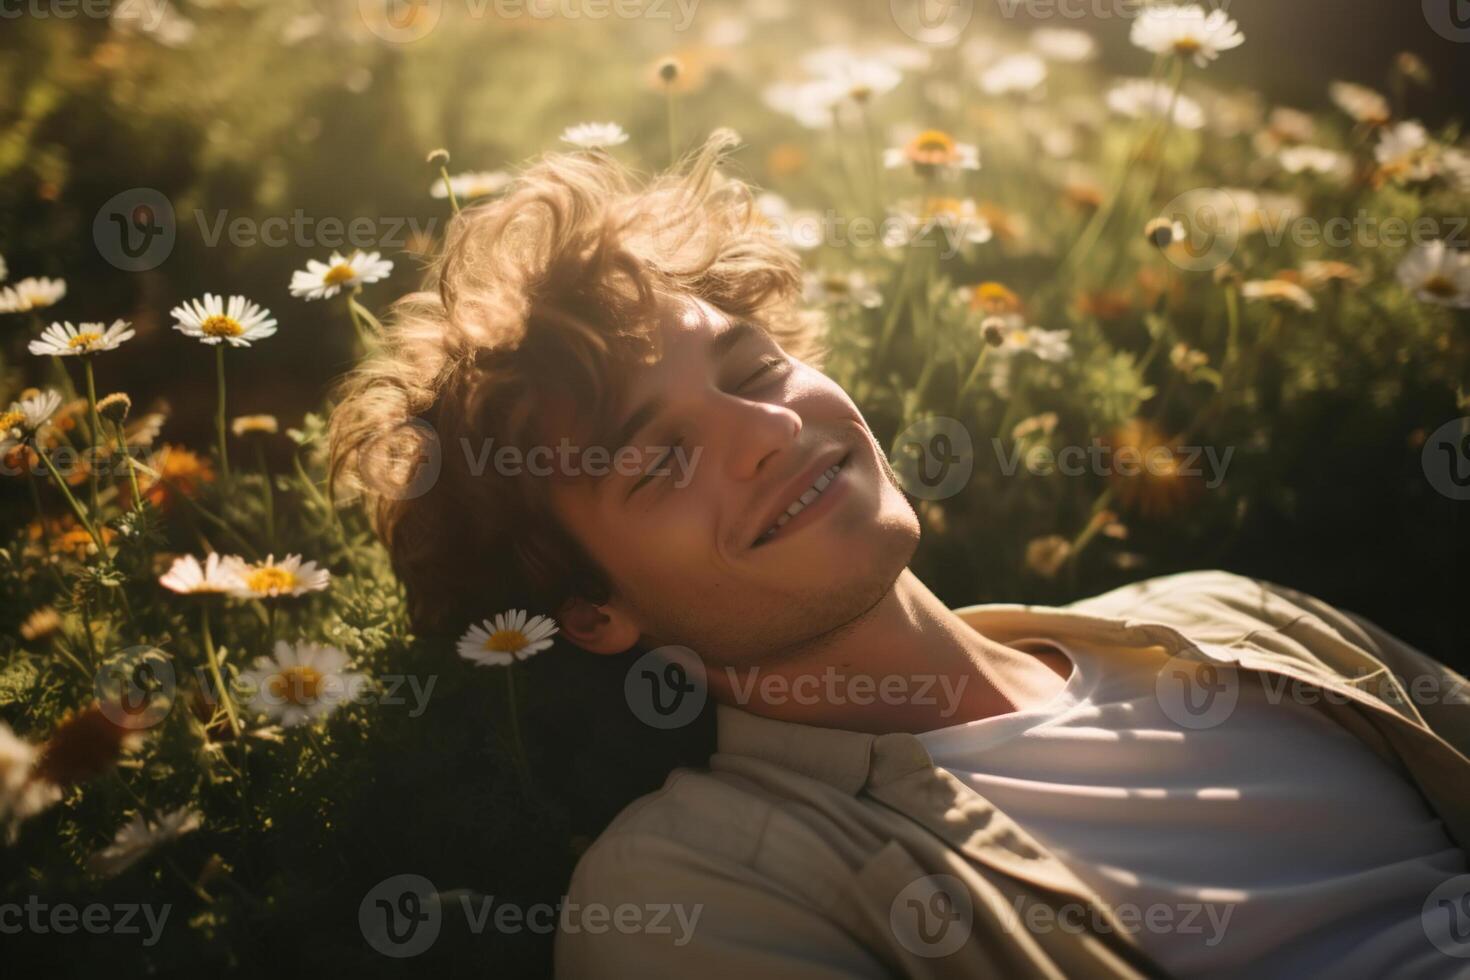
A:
708,555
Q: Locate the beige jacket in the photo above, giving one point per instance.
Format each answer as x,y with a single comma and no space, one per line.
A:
812,852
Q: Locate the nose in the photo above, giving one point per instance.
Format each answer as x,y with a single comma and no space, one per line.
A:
757,432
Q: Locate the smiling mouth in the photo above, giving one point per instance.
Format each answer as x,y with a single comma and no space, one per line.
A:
804,500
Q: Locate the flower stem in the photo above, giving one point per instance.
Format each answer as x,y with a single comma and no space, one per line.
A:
76,507
449,190
270,505
96,429
522,763
214,671
219,415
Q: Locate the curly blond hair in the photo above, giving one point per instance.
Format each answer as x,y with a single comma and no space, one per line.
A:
548,291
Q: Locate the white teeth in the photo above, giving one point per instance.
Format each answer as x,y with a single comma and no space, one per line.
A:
822,483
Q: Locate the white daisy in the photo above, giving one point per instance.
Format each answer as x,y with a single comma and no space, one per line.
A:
1291,124
237,321
472,184
852,75
138,837
1186,32
509,638
1436,274
22,795
811,102
593,136
1360,102
1052,346
65,340
323,280
803,230
271,579
932,151
1139,98
958,219
840,288
1313,159
1404,151
1063,44
301,684
1015,73
31,294
24,418
1279,292
216,576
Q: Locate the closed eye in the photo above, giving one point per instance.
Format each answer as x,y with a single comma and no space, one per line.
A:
770,365
658,469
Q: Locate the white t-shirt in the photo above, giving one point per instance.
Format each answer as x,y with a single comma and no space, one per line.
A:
1275,844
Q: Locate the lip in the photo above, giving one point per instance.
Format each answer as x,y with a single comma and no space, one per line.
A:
794,488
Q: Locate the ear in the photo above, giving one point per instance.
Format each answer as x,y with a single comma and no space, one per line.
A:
597,629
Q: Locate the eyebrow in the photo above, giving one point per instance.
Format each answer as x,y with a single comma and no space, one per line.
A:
724,342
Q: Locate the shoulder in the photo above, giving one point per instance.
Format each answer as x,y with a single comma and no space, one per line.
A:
1214,605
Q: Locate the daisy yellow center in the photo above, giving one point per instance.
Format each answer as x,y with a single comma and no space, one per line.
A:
9,420
861,93
299,685
934,142
506,641
1187,45
1439,286
835,284
271,578
84,340
338,274
221,326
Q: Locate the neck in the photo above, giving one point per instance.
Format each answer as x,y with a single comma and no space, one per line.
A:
908,664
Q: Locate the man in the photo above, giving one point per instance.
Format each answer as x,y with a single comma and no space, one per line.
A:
1193,775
